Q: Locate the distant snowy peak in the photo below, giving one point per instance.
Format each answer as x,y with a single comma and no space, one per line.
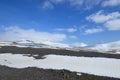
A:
112,47
24,41
30,43
5,43
34,44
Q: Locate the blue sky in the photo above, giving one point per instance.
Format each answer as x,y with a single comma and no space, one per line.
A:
69,21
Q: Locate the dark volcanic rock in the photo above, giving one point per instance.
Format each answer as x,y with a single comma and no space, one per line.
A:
7,73
43,51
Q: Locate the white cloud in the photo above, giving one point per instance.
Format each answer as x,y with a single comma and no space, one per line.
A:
113,24
91,3
47,5
109,20
76,2
70,2
87,4
57,1
107,46
17,33
73,37
94,30
60,29
111,3
101,17
71,30
78,44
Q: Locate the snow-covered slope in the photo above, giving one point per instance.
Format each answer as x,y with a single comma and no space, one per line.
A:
112,47
29,43
97,66
6,43
32,44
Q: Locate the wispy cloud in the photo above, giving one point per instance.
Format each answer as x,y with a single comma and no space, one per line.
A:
87,4
109,20
16,33
76,2
111,3
71,30
78,44
57,1
73,37
47,5
94,30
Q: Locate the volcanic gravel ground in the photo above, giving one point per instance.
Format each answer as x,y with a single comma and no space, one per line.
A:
7,73
43,51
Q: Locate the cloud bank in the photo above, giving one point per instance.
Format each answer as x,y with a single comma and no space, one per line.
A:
110,20
16,33
78,44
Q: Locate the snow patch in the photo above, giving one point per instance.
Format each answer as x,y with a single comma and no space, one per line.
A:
79,74
97,66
